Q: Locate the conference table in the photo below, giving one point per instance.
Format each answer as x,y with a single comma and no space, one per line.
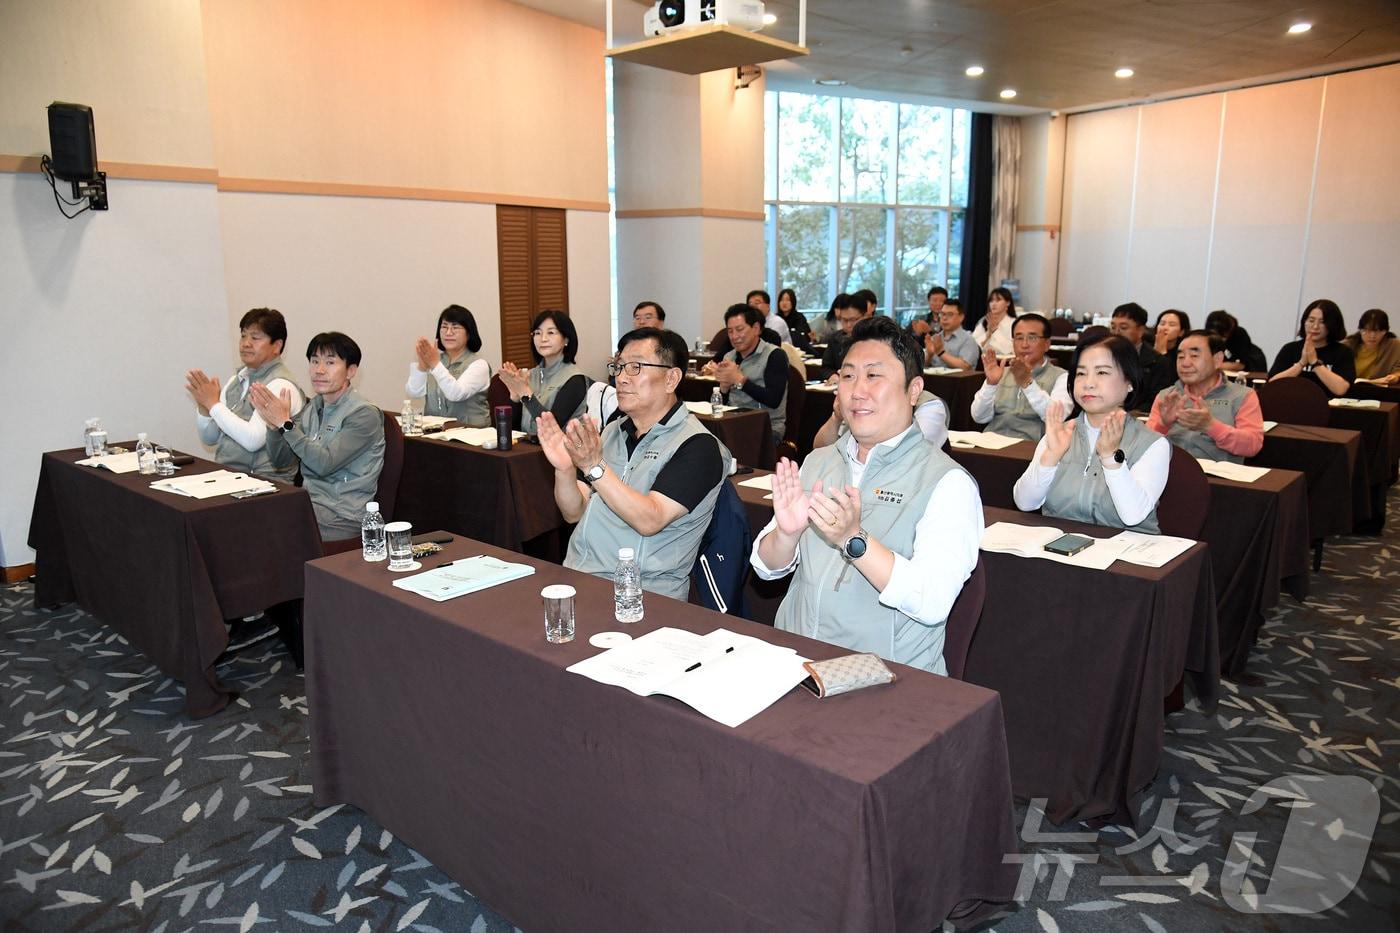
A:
1334,465
566,804
1082,681
1257,534
164,570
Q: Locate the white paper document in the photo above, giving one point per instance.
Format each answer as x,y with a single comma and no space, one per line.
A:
759,482
724,675
819,386
1030,541
117,463
1269,426
941,371
460,577
987,440
705,408
476,437
1235,471
212,484
1149,550
1355,403
430,422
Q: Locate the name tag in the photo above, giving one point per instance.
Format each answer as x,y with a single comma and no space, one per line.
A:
889,496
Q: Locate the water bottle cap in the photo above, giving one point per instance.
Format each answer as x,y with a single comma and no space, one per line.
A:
141,437
92,422
625,553
372,507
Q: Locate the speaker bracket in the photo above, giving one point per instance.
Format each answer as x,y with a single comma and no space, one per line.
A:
95,191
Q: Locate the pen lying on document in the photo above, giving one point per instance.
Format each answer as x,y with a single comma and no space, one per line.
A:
697,663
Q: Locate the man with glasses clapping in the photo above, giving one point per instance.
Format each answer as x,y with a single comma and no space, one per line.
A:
1017,392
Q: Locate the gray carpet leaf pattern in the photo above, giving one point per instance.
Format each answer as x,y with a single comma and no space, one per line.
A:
118,813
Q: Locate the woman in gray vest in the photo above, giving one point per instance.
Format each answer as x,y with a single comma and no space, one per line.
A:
451,376
1103,467
554,384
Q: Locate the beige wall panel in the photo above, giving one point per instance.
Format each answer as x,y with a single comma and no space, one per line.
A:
731,133
1356,209
1037,261
733,254
660,259
656,127
476,95
1175,190
1098,188
590,290
379,270
138,65
1266,163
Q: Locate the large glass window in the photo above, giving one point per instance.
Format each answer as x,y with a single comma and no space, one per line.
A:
864,194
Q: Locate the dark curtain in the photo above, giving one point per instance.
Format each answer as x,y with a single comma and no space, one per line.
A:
977,223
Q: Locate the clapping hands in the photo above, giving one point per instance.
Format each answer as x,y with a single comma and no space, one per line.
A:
1058,433
426,353
515,379
992,366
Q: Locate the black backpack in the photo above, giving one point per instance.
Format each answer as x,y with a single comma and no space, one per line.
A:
722,564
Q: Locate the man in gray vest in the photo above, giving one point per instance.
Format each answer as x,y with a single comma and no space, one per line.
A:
1204,413
881,529
338,436
649,482
755,373
1014,398
227,420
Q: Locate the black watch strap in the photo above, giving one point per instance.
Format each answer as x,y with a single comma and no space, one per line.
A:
285,426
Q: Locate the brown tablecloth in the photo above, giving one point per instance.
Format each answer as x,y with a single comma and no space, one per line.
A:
1334,465
505,497
164,570
1095,679
1380,434
1390,393
1257,534
748,440
567,804
1083,660
957,390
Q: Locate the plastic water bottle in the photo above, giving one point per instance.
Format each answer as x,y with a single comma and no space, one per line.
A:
145,456
408,419
94,438
716,400
627,587
372,534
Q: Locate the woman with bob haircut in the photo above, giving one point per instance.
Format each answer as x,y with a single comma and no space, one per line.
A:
1101,465
457,388
1320,356
1375,348
993,332
554,384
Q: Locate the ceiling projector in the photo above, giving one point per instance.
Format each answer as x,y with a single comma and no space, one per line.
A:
671,16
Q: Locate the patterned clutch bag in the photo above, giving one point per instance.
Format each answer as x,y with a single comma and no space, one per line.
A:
842,675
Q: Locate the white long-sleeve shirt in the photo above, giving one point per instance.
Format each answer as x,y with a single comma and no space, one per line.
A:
475,378
1000,339
932,419
984,402
251,434
1135,489
947,538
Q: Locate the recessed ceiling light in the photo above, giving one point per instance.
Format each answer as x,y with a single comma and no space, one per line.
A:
1008,93
829,82
770,18
975,71
1123,73
1299,28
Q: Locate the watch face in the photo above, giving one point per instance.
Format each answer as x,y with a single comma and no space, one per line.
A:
855,548
1119,456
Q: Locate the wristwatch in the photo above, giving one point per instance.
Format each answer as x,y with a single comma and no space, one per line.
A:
594,473
285,426
1119,456
855,546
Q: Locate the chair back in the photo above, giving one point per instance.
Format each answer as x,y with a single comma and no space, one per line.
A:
962,621
388,490
1294,400
1185,500
796,399
1061,327
496,394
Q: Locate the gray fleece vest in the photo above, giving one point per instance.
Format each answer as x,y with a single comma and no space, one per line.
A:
1082,494
752,366
228,451
339,497
831,600
1224,401
472,410
544,385
667,557
1014,415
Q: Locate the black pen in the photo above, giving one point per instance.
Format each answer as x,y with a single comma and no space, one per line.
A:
697,663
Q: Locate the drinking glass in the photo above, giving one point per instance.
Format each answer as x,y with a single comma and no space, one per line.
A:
558,613
398,537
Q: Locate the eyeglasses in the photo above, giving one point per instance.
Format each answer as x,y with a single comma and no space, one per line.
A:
449,327
1027,338
633,367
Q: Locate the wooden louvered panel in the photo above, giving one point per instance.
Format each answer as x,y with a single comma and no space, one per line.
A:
551,259
532,252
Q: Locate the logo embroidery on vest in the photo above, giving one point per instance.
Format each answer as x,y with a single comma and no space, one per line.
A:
651,455
890,496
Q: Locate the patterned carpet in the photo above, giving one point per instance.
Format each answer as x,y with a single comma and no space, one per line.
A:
116,813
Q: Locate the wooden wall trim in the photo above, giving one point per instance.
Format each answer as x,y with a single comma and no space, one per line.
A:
692,212
16,574
338,189
209,176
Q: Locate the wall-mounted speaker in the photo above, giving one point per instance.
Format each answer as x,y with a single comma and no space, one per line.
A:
72,141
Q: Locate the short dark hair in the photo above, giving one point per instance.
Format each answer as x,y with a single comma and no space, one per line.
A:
270,322
1217,342
953,303
901,343
566,329
750,314
457,314
1125,357
1033,317
758,291
660,311
1222,322
1132,310
936,290
336,343
867,296
844,300
670,346
1182,318
1331,317
1373,319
